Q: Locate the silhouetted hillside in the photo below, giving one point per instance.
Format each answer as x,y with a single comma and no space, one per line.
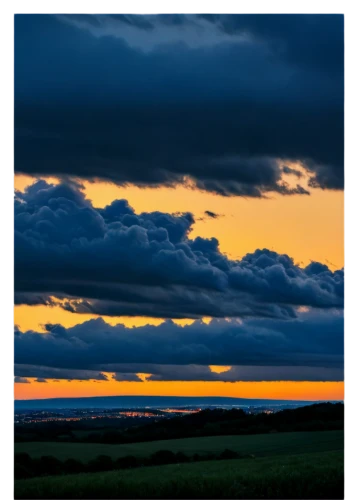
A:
144,401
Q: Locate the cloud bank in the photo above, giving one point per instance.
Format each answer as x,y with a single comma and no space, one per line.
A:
114,262
309,347
219,101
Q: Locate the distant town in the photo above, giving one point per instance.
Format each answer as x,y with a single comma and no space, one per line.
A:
23,417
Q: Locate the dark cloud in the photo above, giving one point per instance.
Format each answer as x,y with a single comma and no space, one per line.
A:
128,372
246,373
291,171
218,100
126,377
274,278
112,261
21,380
212,215
309,347
47,372
310,41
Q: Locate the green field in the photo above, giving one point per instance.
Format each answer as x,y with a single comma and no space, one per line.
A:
84,433
259,445
311,475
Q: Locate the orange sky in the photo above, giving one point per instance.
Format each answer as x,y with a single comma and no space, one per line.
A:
305,227
271,390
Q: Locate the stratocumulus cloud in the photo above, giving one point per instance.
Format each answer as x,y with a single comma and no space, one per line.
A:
158,100
113,261
246,373
307,348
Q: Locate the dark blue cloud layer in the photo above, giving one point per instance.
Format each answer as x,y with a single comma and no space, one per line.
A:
183,373
307,348
112,261
24,371
246,374
156,100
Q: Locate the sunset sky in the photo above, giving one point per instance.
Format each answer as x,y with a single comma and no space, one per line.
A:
179,206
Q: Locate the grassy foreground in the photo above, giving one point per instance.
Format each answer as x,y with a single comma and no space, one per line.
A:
312,475
259,445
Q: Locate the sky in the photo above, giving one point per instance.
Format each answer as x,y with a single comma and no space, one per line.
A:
179,205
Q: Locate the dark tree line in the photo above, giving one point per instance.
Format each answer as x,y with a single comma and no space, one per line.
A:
27,467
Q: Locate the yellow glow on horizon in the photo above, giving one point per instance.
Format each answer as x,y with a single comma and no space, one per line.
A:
272,390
